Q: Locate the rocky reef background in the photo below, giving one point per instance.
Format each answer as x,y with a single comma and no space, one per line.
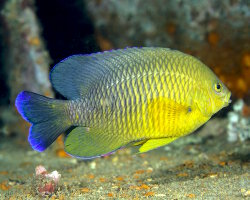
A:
36,34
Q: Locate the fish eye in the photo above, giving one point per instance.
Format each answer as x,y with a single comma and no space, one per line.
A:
217,87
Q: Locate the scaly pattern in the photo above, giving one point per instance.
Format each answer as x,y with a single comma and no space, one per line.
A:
135,96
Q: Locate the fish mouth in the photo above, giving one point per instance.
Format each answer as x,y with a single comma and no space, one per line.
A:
227,99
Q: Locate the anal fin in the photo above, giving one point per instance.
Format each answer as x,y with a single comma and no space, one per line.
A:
88,143
155,143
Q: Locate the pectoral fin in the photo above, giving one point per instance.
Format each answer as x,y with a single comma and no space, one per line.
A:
165,113
155,143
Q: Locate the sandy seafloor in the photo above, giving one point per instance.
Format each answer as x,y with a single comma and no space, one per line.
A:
202,165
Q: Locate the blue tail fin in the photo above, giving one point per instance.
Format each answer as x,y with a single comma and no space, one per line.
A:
47,116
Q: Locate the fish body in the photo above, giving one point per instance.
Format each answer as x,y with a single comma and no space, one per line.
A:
135,96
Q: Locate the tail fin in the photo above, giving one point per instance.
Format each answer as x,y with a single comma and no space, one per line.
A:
46,115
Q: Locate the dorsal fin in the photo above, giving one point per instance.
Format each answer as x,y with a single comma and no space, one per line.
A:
73,76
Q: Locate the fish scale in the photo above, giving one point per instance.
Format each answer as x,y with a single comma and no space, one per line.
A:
135,86
151,87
